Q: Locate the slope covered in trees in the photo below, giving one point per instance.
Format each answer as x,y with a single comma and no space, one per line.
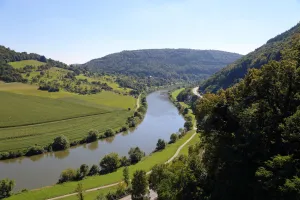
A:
250,137
234,72
164,64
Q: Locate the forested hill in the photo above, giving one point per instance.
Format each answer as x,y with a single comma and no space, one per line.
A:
234,72
172,64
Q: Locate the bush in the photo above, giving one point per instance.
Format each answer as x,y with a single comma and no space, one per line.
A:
34,150
161,144
110,163
6,187
135,155
60,143
109,133
124,161
84,170
94,170
173,138
67,175
188,125
92,136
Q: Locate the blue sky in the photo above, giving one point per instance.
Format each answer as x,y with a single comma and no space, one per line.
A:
75,31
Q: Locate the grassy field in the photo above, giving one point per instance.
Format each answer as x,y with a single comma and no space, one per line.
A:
95,181
93,195
23,63
29,116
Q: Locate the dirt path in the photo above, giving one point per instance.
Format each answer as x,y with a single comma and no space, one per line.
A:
196,91
114,184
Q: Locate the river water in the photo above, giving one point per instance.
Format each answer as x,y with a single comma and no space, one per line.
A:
161,120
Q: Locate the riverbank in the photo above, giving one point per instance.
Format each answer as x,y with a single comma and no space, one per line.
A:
97,181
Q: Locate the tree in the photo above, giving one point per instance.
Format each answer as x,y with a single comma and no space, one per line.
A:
67,175
84,169
161,144
110,163
60,143
124,161
188,125
109,133
126,175
6,187
92,136
139,185
173,138
94,170
79,190
135,155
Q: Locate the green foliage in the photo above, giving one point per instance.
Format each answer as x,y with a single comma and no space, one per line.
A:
109,133
110,163
6,187
135,155
79,190
155,67
139,185
60,143
173,138
34,150
94,170
188,125
84,170
234,72
92,136
67,175
251,133
126,177
160,145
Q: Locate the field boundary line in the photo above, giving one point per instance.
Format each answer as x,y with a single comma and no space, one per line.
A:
54,121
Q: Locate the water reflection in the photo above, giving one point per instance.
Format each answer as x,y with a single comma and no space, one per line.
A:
93,146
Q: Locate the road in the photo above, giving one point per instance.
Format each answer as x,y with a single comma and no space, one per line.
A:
196,91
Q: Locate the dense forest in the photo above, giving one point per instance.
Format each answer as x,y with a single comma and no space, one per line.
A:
234,72
165,64
250,140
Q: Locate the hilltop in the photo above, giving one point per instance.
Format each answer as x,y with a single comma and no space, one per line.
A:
167,65
234,72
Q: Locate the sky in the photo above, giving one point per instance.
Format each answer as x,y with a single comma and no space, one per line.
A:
76,31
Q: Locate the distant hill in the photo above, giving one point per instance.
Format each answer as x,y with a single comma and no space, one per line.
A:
234,72
185,64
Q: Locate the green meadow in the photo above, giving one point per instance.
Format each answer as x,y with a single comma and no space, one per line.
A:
23,63
29,116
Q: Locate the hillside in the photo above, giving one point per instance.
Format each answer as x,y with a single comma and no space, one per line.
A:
42,98
167,64
234,72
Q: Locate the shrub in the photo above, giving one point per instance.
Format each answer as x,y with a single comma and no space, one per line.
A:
67,175
94,170
60,143
92,136
173,138
160,145
34,150
109,133
135,155
110,163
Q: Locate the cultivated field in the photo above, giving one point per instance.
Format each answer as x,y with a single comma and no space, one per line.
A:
29,116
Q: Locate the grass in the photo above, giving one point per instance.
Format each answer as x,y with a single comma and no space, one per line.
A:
93,195
29,116
175,93
23,63
96,181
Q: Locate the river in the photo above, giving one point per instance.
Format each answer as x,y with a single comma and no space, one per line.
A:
161,120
